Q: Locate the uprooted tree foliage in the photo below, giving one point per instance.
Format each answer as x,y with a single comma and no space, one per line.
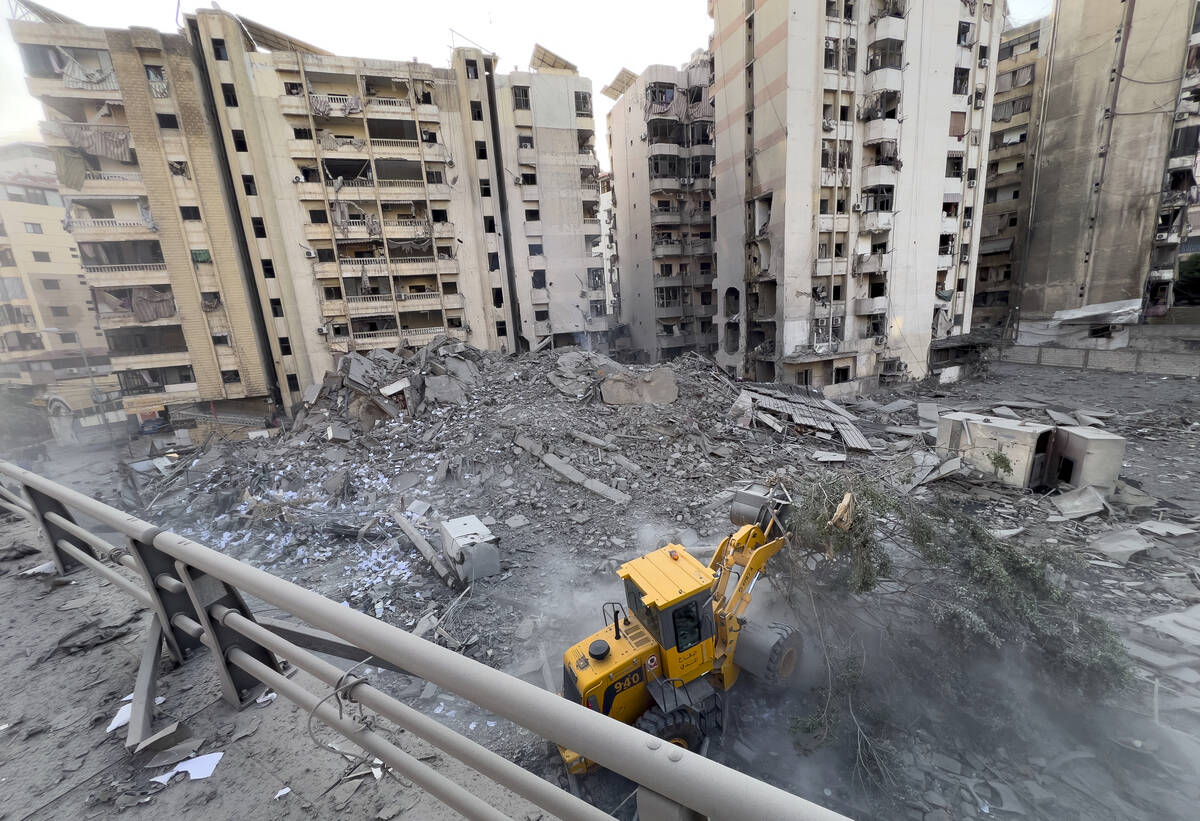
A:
918,591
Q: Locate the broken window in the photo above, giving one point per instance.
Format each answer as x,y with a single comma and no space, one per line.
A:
954,166
831,53
529,179
219,51
477,111
660,93
887,53
230,96
302,133
167,120
532,214
877,198
520,95
538,278
524,141
472,70
595,279
293,89
962,81
535,249
179,168
583,104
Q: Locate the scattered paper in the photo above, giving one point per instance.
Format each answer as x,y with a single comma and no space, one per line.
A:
196,768
283,792
121,718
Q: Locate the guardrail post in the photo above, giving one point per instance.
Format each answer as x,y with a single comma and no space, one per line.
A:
654,807
168,594
43,504
237,686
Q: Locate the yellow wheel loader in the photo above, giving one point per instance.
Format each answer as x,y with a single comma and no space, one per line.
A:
667,654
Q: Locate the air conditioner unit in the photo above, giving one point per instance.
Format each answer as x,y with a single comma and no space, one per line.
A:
964,257
1160,235
979,102
310,253
1181,115
881,340
857,207
983,62
966,223
643,138
837,322
322,330
970,183
297,178
827,125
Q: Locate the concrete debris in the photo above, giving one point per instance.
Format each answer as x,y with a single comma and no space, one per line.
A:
1086,501
1119,545
470,547
1165,529
656,387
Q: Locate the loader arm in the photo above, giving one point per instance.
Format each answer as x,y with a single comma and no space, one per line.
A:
738,563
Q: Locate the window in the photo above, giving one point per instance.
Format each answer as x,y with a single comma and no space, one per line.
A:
33,228
302,133
324,255
535,249
841,375
529,179
524,141
480,150
60,310
501,328
230,377
229,94
539,278
831,52
493,261
285,346
962,81
167,121
68,337
885,54
332,292
41,256
248,184
293,89
268,267
7,260
686,620
477,111
191,213
434,177
293,382
276,307
583,104
440,215
239,140
179,168
201,255
485,188
497,297
318,216
520,96
220,339
50,285
219,52
958,123
472,70
533,214
489,225
260,230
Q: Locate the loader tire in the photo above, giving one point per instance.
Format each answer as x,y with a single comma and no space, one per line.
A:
679,727
769,652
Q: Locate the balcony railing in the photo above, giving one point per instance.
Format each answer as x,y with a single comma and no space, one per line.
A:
112,176
390,143
157,349
91,225
388,102
135,266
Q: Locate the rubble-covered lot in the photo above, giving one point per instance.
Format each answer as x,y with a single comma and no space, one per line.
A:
575,464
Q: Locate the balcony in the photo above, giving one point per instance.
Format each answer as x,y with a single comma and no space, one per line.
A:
415,337
389,338
406,149
675,340
704,310
591,190
387,107
369,304
664,184
591,223
883,79
83,230
111,182
875,221
420,301
126,319
945,261
412,265
138,273
872,263
949,225
698,246
887,28
878,175
865,306
526,156
831,267
666,216
669,308
831,222
159,358
292,104
667,248
533,228
1001,179
452,301
663,149
55,87
881,130
333,308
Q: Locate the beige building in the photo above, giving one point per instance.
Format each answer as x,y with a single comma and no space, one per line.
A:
1115,171
660,134
1020,71
42,287
146,205
851,139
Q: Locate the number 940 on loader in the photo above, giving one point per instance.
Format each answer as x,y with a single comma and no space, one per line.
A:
680,639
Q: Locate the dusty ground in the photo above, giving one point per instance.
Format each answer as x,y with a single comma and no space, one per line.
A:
558,570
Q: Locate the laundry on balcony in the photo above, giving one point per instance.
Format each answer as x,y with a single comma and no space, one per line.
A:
75,75
99,140
71,167
149,303
330,142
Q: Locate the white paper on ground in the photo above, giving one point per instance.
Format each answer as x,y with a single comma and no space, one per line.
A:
283,792
198,767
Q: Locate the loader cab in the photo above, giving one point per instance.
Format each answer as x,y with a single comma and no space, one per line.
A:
669,592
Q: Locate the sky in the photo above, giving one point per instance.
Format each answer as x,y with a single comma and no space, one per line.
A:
624,33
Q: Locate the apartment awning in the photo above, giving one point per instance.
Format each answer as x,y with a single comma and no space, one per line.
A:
996,246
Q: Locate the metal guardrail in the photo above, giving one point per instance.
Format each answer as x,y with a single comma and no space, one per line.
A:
197,597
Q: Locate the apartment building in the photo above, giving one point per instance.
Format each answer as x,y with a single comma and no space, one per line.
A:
604,254
48,324
146,205
1115,177
851,139
549,186
1020,72
660,134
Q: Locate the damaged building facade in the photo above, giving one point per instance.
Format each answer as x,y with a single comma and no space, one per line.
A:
48,323
660,134
851,139
1020,71
286,205
140,180
1115,179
